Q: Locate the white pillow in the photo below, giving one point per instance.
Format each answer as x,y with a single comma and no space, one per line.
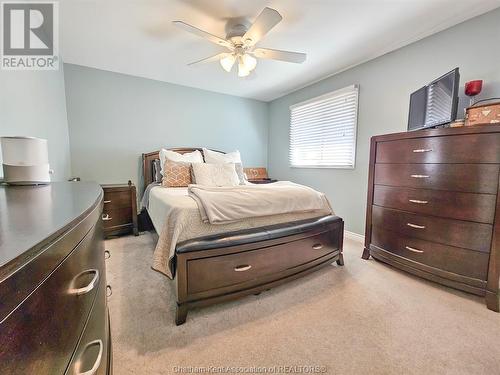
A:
190,157
214,157
215,174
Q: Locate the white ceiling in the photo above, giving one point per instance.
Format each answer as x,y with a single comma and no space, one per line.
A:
137,37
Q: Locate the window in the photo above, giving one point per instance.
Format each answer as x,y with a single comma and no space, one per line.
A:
323,130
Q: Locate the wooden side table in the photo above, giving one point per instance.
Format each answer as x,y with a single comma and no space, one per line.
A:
119,214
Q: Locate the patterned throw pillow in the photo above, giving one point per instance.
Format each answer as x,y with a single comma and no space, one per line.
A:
177,174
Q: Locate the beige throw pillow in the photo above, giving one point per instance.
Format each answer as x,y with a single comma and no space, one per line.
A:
176,174
215,174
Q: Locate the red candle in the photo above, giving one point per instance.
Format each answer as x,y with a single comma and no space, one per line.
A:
472,88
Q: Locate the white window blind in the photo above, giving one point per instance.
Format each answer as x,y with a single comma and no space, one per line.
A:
323,130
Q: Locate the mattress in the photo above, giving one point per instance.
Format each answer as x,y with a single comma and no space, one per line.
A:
176,218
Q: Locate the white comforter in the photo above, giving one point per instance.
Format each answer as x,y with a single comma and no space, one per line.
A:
219,205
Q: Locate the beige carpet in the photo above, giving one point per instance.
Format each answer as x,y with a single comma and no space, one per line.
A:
363,318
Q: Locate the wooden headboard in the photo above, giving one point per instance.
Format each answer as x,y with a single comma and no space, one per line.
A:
150,157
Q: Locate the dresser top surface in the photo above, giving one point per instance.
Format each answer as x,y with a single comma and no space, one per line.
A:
29,215
463,130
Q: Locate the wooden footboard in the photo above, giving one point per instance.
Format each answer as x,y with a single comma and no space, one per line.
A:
223,267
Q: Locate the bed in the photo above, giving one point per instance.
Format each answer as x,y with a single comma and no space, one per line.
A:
213,263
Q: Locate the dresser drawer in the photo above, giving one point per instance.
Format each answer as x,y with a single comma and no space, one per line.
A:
225,270
454,205
117,216
460,261
465,234
474,178
116,199
38,330
470,148
92,351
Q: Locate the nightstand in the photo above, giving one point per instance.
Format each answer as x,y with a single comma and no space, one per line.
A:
258,175
119,214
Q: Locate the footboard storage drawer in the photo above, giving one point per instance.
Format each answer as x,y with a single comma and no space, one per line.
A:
226,270
433,206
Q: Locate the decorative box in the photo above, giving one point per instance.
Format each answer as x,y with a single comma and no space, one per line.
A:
483,114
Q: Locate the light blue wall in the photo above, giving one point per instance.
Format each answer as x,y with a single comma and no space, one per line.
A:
385,87
114,118
32,103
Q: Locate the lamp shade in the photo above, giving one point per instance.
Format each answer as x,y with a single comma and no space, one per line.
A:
25,160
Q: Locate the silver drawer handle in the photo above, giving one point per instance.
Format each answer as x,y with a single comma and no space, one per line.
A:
90,286
98,360
413,249
419,150
317,246
107,202
418,201
419,176
107,254
106,218
416,226
242,268
109,291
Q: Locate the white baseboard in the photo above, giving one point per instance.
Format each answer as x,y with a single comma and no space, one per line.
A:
354,236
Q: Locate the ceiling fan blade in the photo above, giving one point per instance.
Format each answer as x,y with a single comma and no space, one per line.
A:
275,54
210,59
266,20
194,30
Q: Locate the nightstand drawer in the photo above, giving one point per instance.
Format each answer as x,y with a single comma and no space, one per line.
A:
117,216
116,199
119,209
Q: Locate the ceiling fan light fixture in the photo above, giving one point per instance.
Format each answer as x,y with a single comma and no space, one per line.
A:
250,62
240,42
227,62
243,71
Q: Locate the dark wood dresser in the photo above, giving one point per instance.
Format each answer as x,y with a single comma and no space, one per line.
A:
434,209
53,311
119,214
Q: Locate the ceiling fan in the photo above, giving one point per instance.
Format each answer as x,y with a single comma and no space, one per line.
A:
241,42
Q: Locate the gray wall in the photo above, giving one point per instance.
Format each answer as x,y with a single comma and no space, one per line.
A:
32,103
385,86
114,118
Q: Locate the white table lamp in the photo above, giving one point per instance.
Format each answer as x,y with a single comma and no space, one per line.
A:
25,160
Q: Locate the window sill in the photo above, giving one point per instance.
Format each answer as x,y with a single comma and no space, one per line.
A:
322,167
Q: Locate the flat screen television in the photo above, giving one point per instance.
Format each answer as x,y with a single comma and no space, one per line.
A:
436,103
